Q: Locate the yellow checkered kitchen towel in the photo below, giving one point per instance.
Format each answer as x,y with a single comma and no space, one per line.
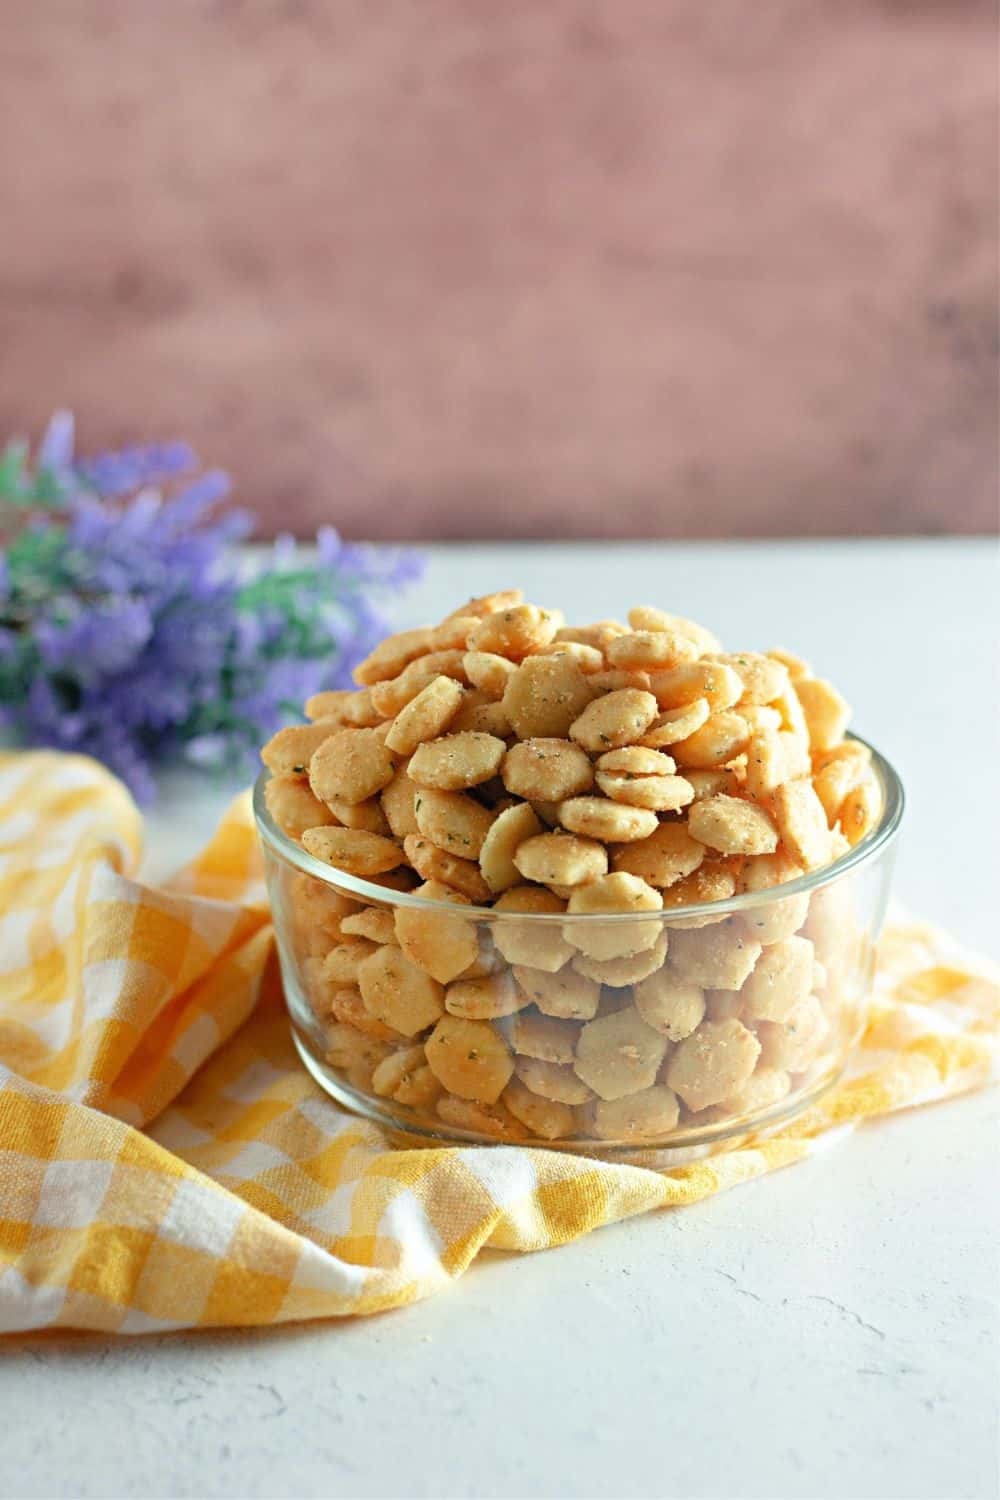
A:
165,1162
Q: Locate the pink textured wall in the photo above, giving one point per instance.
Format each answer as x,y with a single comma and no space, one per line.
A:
494,267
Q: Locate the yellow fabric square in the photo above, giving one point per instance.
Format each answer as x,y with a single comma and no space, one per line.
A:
242,1295
21,1048
21,1180
932,984
108,1262
14,1236
31,1124
138,1195
139,1151
175,1282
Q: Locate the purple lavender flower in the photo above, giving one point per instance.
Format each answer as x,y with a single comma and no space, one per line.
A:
113,475
95,641
130,631
55,451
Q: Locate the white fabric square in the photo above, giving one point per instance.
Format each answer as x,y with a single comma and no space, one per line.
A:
198,1042
252,1159
16,774
72,1193
327,1116
125,1110
108,885
53,1025
175,1133
15,930
333,1216
406,1221
318,1270
63,839
62,914
137,1321
103,981
508,1176
17,827
213,921
202,1217
24,1306
254,1081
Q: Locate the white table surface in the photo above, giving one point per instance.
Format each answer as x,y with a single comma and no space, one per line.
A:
832,1331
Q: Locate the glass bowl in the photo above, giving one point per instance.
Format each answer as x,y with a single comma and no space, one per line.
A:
653,1038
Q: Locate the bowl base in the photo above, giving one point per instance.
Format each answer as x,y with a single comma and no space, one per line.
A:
690,1143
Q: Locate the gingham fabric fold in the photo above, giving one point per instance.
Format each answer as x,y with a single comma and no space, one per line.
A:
166,1163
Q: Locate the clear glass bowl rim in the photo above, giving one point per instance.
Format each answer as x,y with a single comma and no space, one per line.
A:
864,852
